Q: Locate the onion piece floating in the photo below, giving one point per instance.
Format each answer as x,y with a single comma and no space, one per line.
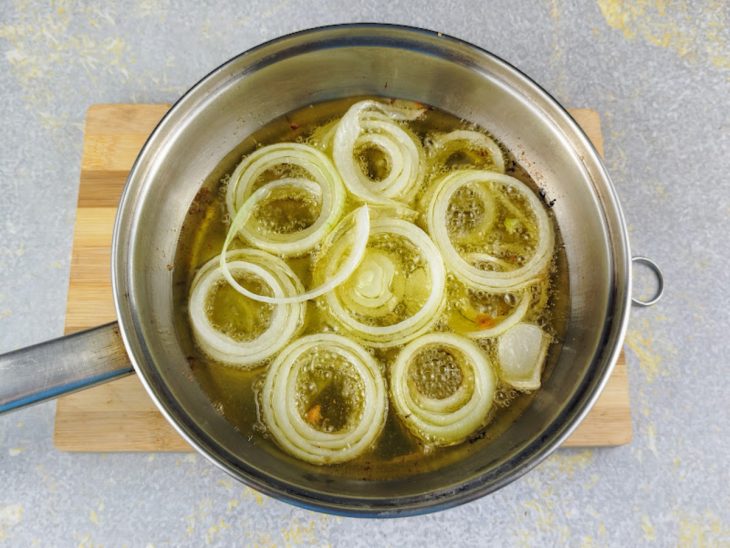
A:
284,321
324,185
464,270
290,425
374,287
445,145
359,238
377,290
521,352
451,419
506,323
370,124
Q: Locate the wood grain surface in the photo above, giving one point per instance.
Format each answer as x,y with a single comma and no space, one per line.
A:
120,416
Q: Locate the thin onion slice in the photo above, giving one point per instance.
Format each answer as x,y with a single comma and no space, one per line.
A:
360,233
293,432
377,291
447,144
284,322
373,124
323,183
498,282
521,352
416,324
507,323
449,420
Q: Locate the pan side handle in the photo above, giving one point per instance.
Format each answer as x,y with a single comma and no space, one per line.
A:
60,366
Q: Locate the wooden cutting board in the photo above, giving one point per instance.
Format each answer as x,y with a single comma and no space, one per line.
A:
119,416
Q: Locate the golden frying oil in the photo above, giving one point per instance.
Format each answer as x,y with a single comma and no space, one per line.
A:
233,392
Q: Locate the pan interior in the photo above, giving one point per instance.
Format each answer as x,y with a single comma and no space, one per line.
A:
249,91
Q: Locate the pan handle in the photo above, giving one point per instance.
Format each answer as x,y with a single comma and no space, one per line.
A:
49,369
654,268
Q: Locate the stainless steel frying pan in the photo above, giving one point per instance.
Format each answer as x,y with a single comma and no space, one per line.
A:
241,96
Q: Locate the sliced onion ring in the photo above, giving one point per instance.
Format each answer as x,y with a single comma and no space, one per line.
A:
285,422
285,320
450,420
444,144
498,282
360,239
418,323
242,197
370,123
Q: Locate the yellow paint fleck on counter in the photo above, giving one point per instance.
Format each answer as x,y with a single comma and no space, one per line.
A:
215,529
557,52
201,514
264,540
695,31
225,483
10,516
701,530
592,481
94,513
43,39
651,439
158,8
641,343
253,494
648,529
299,533
541,514
567,464
49,481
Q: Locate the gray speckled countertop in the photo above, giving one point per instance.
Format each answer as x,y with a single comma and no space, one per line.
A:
659,76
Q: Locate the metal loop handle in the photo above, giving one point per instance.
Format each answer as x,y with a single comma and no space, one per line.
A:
646,261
